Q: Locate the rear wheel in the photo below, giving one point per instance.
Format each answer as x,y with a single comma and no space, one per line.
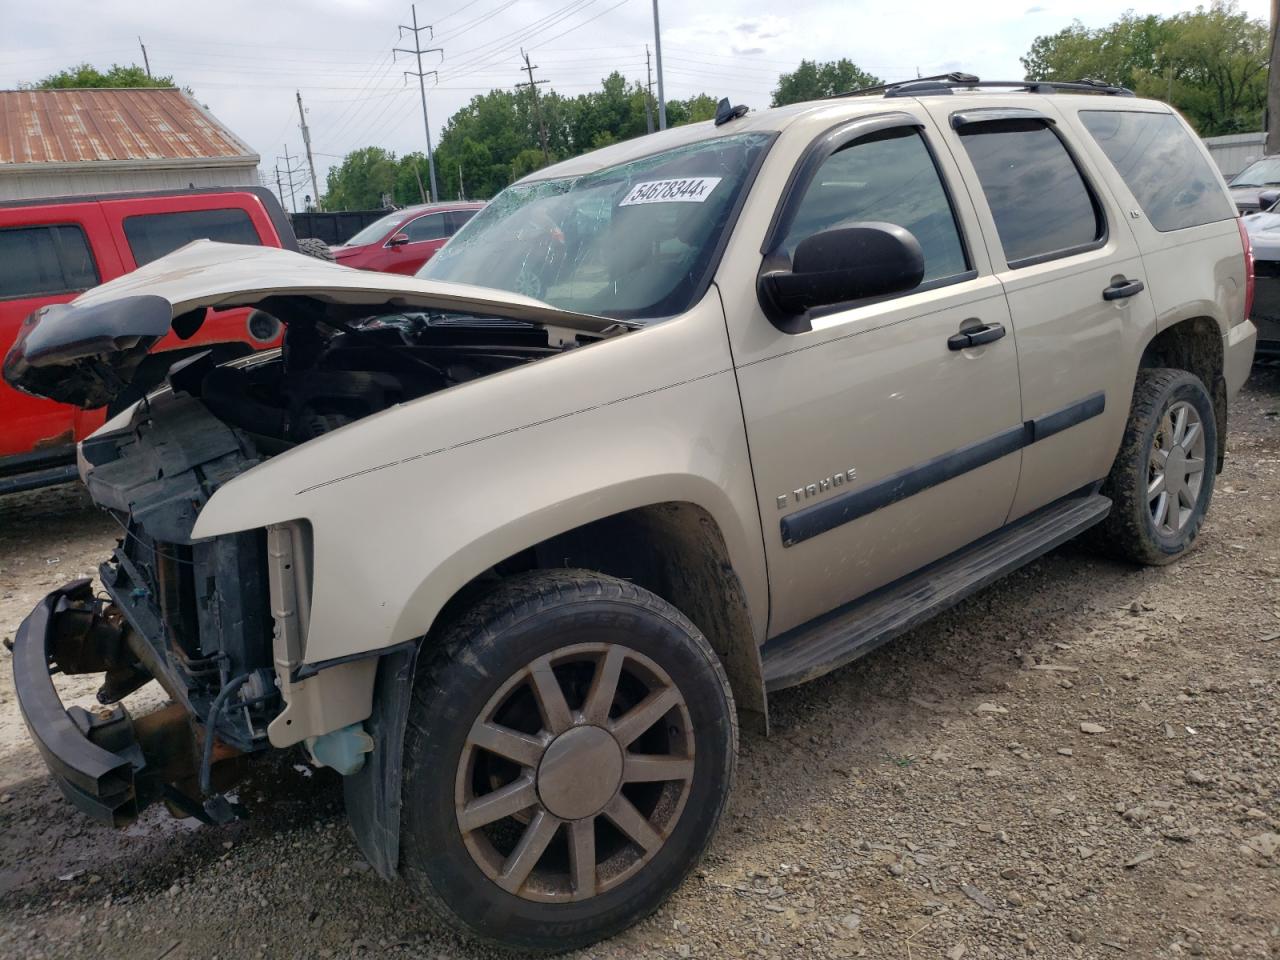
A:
1162,480
568,757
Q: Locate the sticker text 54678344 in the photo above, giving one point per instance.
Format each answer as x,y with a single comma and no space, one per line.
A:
683,190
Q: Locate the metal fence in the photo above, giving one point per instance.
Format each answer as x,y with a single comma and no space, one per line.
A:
334,228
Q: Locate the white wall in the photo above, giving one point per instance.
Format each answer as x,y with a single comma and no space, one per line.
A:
1235,151
26,185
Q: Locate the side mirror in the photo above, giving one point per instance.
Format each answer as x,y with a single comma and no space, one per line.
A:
844,264
398,240
1267,199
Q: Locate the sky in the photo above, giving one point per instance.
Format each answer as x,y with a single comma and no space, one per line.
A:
246,59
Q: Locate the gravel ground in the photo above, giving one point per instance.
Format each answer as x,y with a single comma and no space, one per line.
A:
1079,762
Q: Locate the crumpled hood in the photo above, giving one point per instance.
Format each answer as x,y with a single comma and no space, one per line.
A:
87,351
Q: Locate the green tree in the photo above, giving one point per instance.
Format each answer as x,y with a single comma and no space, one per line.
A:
360,181
694,110
1211,63
812,81
87,75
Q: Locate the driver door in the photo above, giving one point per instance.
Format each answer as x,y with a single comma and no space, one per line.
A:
877,447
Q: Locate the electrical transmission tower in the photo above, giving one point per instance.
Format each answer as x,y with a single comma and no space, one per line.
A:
418,51
537,107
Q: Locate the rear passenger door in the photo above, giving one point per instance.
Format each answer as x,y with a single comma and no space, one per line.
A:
1076,285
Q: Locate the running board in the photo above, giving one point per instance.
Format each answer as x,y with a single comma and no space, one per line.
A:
834,639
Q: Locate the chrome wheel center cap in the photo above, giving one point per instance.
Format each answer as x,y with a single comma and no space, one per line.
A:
580,772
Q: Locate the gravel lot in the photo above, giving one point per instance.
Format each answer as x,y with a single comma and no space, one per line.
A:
1084,761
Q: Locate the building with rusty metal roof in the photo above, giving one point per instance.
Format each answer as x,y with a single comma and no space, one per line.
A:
67,142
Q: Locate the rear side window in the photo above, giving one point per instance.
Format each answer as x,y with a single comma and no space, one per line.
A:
152,235
1155,155
45,261
431,227
888,177
1041,205
458,217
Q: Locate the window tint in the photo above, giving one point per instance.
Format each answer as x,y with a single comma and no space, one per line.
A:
44,261
153,235
458,217
888,177
431,227
1038,199
1156,157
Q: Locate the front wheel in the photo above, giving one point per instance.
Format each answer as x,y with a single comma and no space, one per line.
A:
1162,479
569,754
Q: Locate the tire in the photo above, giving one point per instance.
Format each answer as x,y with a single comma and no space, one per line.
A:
488,667
1130,531
316,248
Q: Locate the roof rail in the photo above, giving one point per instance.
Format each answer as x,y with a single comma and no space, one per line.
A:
947,83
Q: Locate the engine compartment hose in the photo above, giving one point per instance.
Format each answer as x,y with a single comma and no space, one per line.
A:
210,726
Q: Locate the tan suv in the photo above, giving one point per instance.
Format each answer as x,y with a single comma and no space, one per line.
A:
663,429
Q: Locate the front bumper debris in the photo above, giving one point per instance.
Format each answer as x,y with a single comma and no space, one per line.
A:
107,763
93,758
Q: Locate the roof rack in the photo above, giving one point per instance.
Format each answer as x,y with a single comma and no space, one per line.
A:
947,83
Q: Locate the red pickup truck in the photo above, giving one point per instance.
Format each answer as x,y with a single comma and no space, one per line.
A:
52,250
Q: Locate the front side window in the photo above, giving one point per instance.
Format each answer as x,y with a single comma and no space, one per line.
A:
153,235
375,231
45,261
433,226
1169,176
633,241
1038,199
889,177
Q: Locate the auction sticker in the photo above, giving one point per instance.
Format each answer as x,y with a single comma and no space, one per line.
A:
684,190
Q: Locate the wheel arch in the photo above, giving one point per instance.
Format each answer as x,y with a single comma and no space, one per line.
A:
677,550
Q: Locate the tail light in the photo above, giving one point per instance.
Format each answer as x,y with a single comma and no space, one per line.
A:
1250,278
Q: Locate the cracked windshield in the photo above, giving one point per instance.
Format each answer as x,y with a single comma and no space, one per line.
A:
631,241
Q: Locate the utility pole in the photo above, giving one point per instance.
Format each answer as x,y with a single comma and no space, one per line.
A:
1273,86
462,193
537,108
279,188
289,171
418,51
648,93
145,61
306,143
657,49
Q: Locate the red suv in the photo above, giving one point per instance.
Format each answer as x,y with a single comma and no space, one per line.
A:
403,241
53,249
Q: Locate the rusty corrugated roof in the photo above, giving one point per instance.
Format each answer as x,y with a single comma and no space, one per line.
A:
144,124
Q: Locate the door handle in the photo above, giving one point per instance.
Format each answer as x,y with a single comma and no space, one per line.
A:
1122,288
976,337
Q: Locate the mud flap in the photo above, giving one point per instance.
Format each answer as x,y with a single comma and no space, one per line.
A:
373,794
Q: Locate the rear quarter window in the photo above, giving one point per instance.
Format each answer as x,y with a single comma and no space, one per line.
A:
45,261
1162,165
152,235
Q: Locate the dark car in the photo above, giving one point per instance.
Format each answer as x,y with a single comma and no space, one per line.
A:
404,240
1258,176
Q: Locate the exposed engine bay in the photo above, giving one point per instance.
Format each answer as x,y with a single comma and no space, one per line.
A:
333,372
217,621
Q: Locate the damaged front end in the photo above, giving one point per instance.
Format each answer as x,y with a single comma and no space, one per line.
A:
222,622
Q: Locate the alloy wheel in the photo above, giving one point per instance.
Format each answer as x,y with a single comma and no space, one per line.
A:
1175,468
575,773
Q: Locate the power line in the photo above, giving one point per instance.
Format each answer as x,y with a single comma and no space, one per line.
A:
418,51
